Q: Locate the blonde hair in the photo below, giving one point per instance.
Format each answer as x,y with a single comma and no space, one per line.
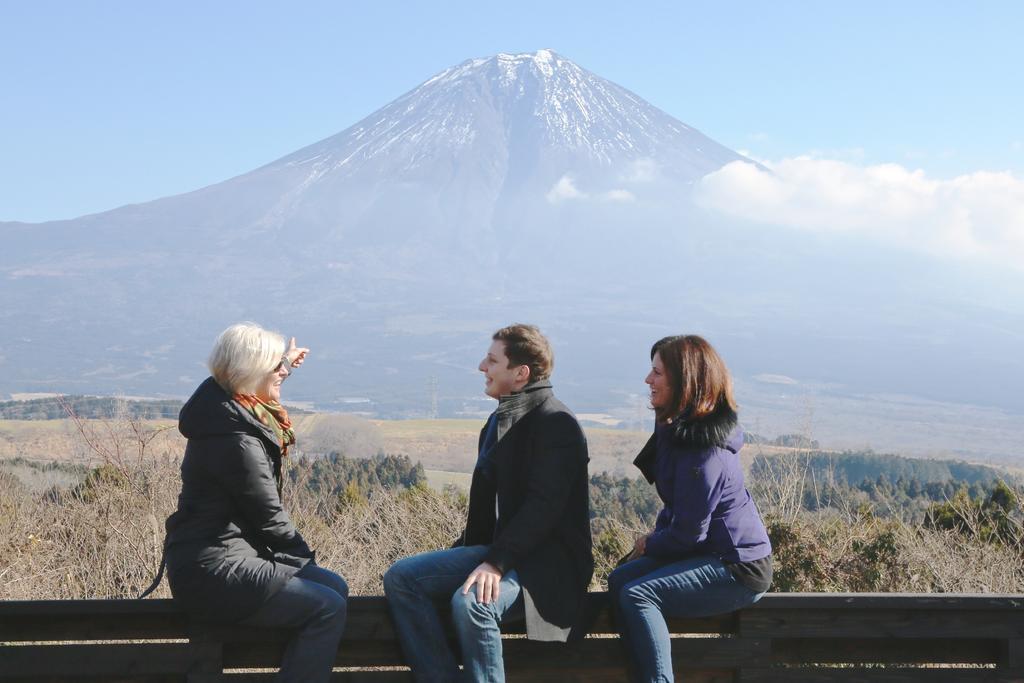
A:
243,355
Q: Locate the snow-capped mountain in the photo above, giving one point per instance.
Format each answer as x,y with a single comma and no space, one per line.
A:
518,110
482,146
489,173
459,178
513,187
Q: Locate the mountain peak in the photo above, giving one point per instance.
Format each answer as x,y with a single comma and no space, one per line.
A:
538,108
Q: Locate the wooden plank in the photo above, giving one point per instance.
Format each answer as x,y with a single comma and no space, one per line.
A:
53,608
526,655
210,660
821,628
598,599
36,628
925,601
105,661
369,619
1011,653
336,677
241,655
885,650
719,624
881,623
600,619
617,676
590,676
87,678
596,653
877,675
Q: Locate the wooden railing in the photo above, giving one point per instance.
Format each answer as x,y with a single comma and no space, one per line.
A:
795,637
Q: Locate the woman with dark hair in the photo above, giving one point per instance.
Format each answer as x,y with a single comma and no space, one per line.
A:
232,552
709,552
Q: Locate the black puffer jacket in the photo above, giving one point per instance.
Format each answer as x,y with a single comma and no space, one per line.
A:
230,544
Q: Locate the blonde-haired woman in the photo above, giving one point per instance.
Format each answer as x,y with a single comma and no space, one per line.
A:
232,552
709,552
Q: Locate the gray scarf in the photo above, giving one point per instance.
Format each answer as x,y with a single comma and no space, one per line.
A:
513,407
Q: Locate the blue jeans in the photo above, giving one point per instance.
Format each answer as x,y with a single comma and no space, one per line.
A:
315,602
647,590
417,586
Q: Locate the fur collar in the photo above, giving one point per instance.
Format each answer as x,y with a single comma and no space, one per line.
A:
711,430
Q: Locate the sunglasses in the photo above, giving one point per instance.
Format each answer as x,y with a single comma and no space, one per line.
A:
285,365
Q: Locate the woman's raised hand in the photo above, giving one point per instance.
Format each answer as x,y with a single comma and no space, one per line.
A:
295,354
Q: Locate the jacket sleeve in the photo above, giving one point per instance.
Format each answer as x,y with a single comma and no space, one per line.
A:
557,462
247,476
698,489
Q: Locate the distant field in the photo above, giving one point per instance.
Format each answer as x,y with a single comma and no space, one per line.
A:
422,428
446,448
38,439
438,479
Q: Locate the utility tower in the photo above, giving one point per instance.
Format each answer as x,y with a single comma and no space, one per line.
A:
432,391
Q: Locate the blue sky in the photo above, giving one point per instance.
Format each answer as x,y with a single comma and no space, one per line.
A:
108,103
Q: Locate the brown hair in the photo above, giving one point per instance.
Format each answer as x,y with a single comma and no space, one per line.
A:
698,379
525,345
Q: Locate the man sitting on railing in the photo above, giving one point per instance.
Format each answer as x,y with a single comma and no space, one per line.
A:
526,550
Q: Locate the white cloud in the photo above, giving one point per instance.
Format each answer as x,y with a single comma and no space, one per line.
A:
564,189
849,154
976,215
775,379
641,171
619,196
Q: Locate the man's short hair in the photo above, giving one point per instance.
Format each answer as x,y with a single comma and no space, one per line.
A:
525,345
243,355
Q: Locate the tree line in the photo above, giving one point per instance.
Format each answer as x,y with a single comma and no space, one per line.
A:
89,407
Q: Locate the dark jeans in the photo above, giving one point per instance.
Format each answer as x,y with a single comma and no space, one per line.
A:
416,586
315,602
645,591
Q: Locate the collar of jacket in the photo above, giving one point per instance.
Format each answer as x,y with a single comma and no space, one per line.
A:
512,407
710,431
212,412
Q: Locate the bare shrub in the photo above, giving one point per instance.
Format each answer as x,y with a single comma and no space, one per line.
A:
847,549
362,537
613,540
103,538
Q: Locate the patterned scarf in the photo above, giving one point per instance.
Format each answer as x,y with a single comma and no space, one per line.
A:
273,415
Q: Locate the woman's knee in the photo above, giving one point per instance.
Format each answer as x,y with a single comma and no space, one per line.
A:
339,585
633,595
333,607
325,577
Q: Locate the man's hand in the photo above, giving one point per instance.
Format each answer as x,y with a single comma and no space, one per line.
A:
295,354
488,578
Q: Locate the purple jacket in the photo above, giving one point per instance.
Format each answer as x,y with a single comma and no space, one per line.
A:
696,468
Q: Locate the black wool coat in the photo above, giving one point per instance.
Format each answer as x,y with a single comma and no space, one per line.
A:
542,526
230,544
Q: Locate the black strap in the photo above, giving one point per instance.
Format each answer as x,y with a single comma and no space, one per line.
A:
159,573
